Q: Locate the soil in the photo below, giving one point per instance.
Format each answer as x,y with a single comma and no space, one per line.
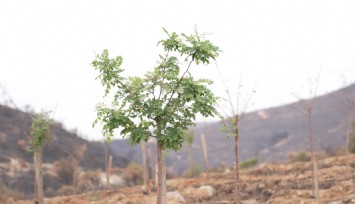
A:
267,183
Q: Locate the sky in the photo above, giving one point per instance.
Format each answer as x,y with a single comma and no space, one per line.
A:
276,48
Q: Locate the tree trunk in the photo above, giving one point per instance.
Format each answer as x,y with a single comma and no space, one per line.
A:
190,160
106,165
161,198
236,151
145,168
109,171
348,132
205,154
315,189
38,174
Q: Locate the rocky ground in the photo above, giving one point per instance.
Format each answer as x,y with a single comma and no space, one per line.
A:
267,183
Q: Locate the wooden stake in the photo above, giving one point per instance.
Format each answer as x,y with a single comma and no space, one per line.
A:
145,168
109,170
205,154
152,163
107,165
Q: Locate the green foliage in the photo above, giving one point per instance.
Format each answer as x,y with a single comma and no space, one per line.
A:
163,103
249,163
193,172
229,126
300,156
40,131
352,139
189,137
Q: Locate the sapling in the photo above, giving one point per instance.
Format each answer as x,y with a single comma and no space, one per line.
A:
232,127
40,132
163,103
309,109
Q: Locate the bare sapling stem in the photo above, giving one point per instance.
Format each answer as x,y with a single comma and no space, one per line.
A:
236,148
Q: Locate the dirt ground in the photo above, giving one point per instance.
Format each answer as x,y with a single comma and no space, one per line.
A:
267,183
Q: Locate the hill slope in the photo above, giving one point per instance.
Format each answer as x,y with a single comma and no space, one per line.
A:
13,143
268,134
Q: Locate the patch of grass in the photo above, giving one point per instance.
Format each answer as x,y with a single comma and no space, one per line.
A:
300,156
249,163
193,172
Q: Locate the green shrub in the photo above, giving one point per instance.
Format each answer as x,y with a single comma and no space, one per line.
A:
300,156
249,163
193,171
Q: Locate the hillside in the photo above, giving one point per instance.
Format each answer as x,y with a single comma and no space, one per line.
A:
269,134
267,183
64,145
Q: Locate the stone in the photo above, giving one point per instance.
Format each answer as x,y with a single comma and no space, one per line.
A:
175,196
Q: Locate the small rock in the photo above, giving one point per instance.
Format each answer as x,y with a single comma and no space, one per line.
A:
253,201
227,188
335,202
205,192
175,196
261,185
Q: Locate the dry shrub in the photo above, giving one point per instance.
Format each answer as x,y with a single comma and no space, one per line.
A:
133,174
193,172
88,181
67,169
22,144
7,193
67,190
80,151
300,156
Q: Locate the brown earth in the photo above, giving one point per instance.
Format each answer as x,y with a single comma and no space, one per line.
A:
267,183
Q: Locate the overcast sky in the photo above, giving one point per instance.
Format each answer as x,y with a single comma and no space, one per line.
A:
46,48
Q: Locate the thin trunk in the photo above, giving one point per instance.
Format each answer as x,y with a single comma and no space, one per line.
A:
236,148
109,170
38,174
348,132
106,165
190,160
205,154
315,189
35,188
145,168
163,190
161,198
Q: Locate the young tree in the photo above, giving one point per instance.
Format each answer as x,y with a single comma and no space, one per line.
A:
236,114
163,103
40,132
309,109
